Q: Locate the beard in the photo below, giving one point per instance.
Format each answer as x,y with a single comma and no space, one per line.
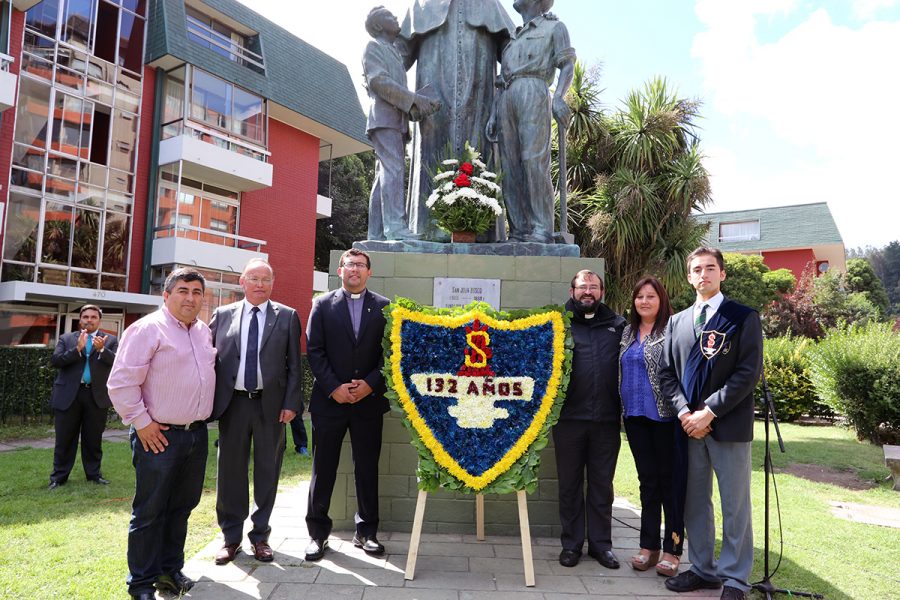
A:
588,304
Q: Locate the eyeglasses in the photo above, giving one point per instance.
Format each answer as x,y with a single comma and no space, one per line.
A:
588,288
355,265
260,280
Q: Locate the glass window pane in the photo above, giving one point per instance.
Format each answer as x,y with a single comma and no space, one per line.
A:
27,179
86,240
136,6
101,70
131,42
127,101
63,167
23,214
53,276
124,140
93,174
43,16
72,59
211,99
174,105
248,115
115,243
119,202
70,79
28,157
83,280
25,327
99,91
129,81
60,189
119,181
71,125
112,284
57,233
167,200
78,22
32,113
14,272
89,195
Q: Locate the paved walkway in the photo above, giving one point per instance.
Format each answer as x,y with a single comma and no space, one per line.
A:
110,435
450,567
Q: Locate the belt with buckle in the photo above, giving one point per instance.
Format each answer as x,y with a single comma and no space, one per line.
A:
188,427
86,386
254,395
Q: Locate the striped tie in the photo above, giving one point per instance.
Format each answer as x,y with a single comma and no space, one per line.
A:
700,321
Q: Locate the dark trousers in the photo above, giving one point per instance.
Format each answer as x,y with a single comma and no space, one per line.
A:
85,417
167,488
298,432
244,421
660,456
365,444
592,447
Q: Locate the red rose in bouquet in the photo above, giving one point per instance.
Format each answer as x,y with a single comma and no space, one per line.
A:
462,180
467,168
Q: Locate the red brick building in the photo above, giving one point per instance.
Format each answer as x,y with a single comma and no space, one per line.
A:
141,135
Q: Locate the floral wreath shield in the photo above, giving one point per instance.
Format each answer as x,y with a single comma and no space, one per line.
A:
477,390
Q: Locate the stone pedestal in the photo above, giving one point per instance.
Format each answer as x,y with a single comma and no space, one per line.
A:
526,282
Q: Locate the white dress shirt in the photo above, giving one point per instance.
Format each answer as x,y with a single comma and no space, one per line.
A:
245,331
712,305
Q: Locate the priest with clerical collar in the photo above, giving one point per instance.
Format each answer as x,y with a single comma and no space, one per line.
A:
343,344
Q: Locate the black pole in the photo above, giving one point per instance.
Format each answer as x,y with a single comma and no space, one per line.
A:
765,585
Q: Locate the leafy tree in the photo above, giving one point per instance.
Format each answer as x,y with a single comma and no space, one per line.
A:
750,281
636,211
861,278
885,264
351,182
836,306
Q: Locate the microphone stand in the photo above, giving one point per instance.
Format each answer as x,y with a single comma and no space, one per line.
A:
765,585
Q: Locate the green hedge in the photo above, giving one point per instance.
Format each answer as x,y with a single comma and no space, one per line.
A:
857,372
26,380
787,369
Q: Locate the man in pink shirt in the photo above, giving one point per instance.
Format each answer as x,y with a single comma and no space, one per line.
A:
162,384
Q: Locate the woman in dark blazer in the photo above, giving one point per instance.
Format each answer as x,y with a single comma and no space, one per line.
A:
656,441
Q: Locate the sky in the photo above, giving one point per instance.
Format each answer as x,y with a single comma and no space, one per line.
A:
798,96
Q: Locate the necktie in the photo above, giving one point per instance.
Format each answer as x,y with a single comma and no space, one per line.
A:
252,359
700,321
88,347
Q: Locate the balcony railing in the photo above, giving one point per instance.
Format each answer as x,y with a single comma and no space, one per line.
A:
216,138
5,61
209,235
238,52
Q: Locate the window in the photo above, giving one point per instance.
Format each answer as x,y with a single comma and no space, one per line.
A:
739,231
220,104
209,210
210,33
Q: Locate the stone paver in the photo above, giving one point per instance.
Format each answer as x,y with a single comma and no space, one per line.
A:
449,567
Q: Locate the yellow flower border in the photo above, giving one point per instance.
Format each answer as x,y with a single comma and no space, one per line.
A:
441,456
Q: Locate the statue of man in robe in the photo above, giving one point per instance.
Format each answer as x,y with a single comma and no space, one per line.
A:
456,45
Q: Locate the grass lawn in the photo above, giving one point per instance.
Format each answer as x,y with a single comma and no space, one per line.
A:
71,543
822,553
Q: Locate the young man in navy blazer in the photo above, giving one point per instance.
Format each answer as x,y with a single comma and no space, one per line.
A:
343,346
710,365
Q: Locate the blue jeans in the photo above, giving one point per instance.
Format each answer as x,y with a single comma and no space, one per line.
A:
168,486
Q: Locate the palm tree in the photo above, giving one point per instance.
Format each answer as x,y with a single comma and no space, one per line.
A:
648,179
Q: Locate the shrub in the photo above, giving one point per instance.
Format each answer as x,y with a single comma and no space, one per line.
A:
856,371
786,365
26,380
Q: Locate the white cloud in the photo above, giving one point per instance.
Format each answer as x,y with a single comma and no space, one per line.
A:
823,92
866,9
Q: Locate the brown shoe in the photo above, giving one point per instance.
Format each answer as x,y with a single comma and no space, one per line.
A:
227,553
262,552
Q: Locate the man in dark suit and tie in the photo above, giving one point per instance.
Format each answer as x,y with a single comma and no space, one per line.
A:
80,399
711,362
257,345
343,346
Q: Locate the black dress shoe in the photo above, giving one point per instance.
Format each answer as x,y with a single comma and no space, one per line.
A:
315,550
99,480
605,558
144,596
569,558
55,484
690,581
732,593
370,545
177,583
